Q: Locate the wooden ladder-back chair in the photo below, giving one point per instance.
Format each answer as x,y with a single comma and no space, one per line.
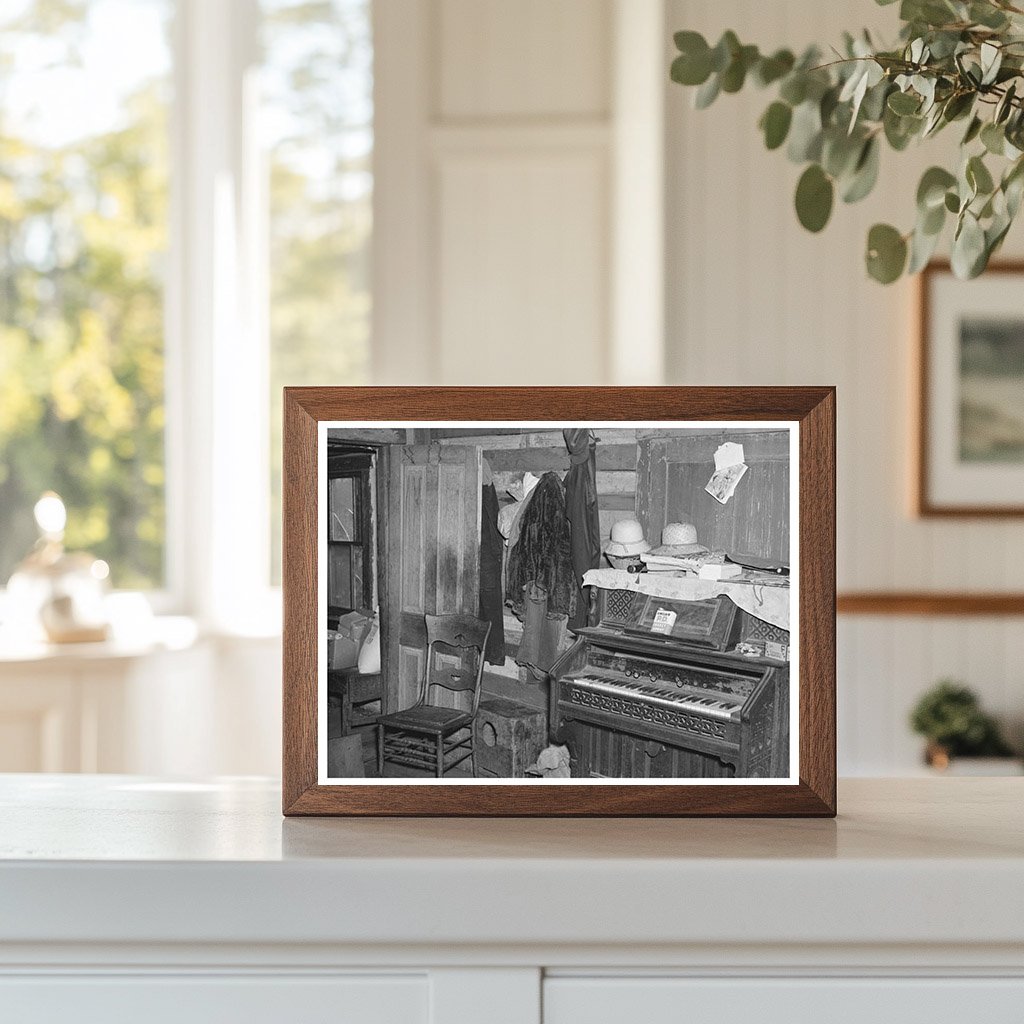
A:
431,735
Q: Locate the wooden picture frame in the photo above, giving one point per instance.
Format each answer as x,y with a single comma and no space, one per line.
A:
807,412
947,482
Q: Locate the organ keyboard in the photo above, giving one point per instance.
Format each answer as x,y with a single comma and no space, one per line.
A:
634,705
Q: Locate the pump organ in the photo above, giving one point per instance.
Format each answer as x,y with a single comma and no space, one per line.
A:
631,702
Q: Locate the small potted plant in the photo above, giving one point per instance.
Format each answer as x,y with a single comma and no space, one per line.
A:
950,718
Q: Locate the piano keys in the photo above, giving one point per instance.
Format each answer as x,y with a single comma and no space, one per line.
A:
630,704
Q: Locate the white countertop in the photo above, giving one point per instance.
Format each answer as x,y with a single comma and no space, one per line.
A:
120,859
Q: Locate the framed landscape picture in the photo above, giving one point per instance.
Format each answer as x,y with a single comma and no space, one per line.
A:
970,450
559,601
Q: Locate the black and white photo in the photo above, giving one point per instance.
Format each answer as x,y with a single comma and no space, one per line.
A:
575,602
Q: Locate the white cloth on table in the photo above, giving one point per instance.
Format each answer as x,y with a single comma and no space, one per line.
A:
767,601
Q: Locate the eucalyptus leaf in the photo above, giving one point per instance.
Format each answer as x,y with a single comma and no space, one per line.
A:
944,44
794,88
873,106
707,93
840,152
973,130
931,191
922,247
993,138
991,60
691,69
827,106
775,124
1005,105
978,176
1014,192
925,88
886,253
933,122
1013,187
968,247
904,103
932,221
724,51
958,105
930,12
814,196
735,74
805,133
771,69
865,174
995,233
867,74
900,130
987,15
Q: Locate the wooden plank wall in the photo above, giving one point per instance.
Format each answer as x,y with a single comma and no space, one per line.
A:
675,469
509,453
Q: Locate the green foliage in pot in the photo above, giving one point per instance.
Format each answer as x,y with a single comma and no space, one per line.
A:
958,62
950,717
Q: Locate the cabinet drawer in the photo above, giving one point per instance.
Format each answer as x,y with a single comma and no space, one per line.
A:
665,1000
223,999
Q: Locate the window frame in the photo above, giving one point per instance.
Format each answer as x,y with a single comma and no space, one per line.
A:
359,467
217,441
216,329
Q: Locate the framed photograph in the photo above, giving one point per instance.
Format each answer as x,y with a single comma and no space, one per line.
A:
970,450
559,601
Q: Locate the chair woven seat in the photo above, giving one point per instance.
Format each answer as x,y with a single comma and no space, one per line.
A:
426,718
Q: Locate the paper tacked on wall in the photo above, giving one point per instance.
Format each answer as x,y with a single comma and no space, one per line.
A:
729,470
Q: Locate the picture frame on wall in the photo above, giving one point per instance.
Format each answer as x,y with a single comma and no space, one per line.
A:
970,383
559,601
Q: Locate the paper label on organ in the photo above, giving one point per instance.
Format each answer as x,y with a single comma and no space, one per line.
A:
664,620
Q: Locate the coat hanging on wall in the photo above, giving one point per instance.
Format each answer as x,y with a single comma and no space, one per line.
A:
542,554
492,549
581,510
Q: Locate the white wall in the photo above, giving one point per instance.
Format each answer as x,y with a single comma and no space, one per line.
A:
754,299
500,194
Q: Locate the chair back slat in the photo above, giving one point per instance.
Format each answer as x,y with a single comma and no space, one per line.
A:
457,630
458,636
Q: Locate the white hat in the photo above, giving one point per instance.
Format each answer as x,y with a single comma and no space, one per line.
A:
627,539
679,539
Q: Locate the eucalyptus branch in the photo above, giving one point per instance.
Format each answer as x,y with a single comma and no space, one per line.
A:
954,60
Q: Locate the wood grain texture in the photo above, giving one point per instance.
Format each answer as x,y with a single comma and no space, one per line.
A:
299,595
923,504
755,521
925,603
812,407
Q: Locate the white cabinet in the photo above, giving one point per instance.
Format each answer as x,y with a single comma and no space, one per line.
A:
202,999
130,898
823,1000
